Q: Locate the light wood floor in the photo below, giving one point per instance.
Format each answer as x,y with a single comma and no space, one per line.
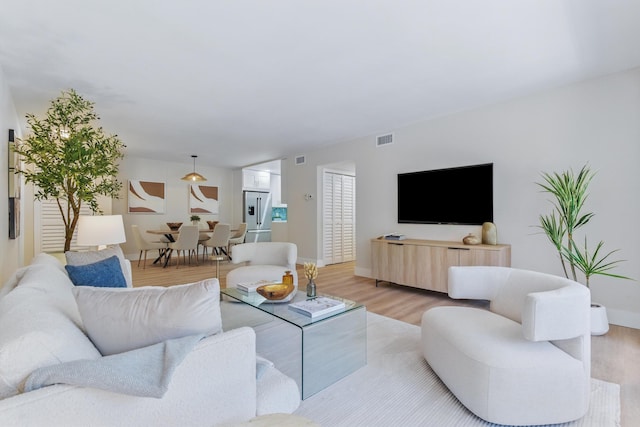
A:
615,356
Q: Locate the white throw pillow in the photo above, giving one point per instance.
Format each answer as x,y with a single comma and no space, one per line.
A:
40,259
39,326
123,319
91,257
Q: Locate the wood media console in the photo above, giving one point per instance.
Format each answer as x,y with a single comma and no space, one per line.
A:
425,263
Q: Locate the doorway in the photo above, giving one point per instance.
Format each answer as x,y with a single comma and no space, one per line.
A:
338,216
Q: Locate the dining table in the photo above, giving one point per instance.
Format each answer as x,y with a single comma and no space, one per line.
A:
171,237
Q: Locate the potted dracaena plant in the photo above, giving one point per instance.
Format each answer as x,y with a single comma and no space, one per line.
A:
570,193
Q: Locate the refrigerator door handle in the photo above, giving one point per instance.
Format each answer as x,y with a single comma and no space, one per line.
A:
258,200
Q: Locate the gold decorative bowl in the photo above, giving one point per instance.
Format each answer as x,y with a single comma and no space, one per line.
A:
275,291
174,225
212,224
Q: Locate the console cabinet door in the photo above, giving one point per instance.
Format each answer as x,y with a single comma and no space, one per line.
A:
387,261
488,257
429,267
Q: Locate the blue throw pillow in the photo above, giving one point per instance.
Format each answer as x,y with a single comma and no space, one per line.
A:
104,274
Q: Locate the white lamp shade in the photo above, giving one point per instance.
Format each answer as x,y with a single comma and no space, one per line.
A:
100,230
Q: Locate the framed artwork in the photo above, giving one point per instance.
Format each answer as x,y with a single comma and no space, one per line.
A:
14,179
146,197
14,217
203,199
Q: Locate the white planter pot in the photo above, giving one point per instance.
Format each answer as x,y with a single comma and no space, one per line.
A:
599,321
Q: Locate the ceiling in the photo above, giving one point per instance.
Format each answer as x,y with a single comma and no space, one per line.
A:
239,82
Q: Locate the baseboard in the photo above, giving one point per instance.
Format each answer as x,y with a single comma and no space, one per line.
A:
363,272
629,319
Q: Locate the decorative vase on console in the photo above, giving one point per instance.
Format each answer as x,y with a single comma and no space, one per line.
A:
311,272
489,234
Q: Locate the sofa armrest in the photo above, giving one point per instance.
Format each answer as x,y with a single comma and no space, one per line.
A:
557,314
476,282
215,383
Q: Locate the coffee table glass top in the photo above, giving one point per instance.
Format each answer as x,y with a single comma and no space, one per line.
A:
281,309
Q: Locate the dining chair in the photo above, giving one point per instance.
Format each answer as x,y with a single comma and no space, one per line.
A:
187,241
219,240
238,237
144,245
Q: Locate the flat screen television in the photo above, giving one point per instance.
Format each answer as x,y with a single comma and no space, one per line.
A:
461,195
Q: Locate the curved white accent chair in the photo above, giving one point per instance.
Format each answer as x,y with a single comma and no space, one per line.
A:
524,361
144,245
219,240
237,238
263,261
187,241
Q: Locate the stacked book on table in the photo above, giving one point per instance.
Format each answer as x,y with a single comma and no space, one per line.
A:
317,307
251,287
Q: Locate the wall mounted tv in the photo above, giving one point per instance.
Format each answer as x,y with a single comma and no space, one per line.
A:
461,195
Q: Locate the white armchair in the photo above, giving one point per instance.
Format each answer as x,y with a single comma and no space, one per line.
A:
524,361
264,261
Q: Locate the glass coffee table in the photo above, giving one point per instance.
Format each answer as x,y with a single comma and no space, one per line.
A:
314,352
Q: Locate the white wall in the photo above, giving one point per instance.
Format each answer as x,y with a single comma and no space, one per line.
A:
176,193
11,253
595,122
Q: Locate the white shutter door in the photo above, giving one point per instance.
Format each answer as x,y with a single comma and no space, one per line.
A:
327,219
348,218
49,236
338,218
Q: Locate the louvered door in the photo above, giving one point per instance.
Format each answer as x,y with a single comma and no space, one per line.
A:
49,235
338,218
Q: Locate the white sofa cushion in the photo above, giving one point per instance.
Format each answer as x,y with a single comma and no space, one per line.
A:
40,327
90,257
497,373
266,253
123,319
40,259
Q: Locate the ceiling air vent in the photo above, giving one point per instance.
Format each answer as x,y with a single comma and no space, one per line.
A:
301,160
384,140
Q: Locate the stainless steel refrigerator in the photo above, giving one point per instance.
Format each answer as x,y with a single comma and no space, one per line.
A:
257,215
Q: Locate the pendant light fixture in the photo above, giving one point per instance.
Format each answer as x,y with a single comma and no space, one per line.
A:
193,176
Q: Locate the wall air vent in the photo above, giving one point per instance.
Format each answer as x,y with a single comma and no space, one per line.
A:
301,160
384,140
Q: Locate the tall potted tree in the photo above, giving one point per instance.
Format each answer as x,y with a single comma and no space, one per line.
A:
69,159
570,193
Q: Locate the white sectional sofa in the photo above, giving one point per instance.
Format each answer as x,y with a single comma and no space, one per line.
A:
220,380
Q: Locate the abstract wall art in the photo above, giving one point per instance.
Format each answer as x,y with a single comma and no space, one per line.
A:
203,199
146,197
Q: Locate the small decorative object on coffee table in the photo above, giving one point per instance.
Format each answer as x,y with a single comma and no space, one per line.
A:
275,291
311,272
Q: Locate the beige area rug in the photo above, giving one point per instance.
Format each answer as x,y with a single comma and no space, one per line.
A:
398,388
